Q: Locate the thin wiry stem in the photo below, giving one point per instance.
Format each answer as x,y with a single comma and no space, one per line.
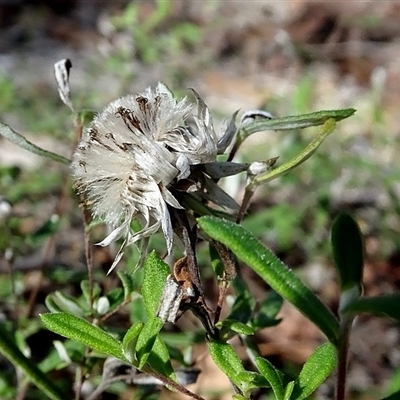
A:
86,221
174,385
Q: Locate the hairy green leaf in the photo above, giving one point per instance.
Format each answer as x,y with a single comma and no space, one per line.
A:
127,282
248,249
130,340
146,340
251,380
159,359
237,326
224,355
316,369
156,272
272,375
289,390
75,328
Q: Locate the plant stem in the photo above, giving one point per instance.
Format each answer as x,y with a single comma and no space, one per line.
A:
343,347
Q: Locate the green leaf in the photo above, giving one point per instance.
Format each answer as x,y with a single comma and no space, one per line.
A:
224,355
383,306
52,304
156,272
9,349
316,369
236,326
146,340
348,250
295,121
327,129
127,282
75,328
248,249
59,301
289,390
272,375
20,141
393,396
251,380
137,311
130,340
160,360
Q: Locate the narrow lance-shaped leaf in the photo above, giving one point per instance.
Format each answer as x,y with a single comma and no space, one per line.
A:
160,360
384,306
22,142
147,338
327,129
225,357
268,174
248,249
60,302
348,249
287,123
130,340
9,349
316,369
77,329
127,283
294,121
289,390
235,326
156,272
272,375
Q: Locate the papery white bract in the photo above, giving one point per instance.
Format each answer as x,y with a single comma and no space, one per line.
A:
134,150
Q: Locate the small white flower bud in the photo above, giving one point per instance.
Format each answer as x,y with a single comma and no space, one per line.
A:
103,305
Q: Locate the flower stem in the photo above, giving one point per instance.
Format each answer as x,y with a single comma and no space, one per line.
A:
343,347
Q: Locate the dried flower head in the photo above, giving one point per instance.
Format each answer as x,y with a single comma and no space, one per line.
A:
136,150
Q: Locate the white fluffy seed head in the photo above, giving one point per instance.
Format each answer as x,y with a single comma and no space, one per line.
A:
131,154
